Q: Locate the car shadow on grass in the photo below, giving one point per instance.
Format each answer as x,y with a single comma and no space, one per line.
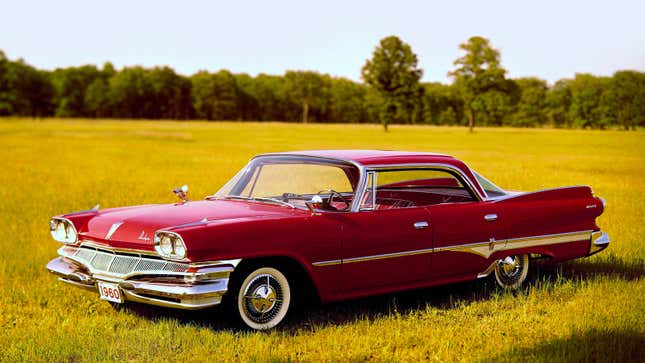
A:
544,274
589,346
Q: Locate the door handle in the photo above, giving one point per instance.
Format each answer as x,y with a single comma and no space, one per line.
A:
490,217
421,225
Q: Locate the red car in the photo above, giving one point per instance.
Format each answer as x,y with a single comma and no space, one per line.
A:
337,224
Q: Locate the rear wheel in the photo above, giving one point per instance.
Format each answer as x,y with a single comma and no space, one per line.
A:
264,298
511,271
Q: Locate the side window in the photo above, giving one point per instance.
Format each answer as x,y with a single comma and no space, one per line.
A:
416,188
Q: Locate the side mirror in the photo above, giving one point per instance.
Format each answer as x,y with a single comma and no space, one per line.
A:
315,202
182,193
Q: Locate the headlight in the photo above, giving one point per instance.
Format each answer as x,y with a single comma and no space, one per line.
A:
170,245
63,230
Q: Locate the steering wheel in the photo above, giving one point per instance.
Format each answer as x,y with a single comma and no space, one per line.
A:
332,193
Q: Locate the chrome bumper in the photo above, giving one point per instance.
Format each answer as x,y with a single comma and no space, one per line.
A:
200,287
599,241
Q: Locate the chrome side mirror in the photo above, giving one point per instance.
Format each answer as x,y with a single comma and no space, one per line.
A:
315,202
182,193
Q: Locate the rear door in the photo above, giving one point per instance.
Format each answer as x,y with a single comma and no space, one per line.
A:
463,236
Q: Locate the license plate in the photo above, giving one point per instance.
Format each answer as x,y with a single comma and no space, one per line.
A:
110,292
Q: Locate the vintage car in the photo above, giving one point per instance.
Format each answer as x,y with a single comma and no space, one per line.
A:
334,224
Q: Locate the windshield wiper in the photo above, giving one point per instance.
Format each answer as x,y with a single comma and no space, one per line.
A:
257,199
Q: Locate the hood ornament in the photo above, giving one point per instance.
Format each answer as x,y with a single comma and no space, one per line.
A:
182,193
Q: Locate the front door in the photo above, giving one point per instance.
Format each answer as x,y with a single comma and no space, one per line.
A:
388,247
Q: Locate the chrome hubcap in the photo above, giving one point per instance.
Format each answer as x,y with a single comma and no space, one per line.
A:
263,298
510,266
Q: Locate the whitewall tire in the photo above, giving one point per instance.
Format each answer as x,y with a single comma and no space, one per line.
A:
264,298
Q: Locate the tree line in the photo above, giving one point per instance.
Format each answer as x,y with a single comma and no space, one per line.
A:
480,94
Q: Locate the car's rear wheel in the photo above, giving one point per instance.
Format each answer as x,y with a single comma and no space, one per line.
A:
264,298
511,271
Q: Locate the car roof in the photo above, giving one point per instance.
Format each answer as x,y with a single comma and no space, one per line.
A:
376,157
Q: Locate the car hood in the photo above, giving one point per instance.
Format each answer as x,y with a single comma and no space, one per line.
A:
134,227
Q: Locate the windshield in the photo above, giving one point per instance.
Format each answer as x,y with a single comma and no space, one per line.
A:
291,179
491,189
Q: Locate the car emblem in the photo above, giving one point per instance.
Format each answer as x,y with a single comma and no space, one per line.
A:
143,236
113,229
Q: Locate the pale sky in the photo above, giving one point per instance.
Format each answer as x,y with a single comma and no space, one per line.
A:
548,38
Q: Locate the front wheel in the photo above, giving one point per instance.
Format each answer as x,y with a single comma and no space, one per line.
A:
511,271
264,298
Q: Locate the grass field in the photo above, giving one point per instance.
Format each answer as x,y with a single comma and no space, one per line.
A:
591,309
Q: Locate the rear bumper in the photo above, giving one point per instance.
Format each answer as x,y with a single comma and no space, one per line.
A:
202,288
599,241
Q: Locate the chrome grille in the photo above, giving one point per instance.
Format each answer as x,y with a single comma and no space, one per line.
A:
122,264
101,261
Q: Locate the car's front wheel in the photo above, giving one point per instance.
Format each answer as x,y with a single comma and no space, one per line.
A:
511,271
264,298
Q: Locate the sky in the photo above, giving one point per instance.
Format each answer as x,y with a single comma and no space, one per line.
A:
547,38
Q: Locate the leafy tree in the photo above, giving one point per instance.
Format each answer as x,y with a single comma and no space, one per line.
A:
71,84
97,95
172,94
586,93
394,73
131,93
271,95
347,100
531,110
558,102
28,91
215,95
623,100
248,105
481,79
304,87
6,90
442,104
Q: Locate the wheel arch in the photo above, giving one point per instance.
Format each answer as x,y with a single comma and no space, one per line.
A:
294,269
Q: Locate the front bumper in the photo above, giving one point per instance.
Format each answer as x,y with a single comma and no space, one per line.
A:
183,286
599,241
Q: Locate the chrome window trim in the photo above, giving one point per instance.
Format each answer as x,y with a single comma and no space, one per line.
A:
372,175
438,166
483,249
363,170
358,193
511,196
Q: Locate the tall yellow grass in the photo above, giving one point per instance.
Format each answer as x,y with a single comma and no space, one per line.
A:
589,309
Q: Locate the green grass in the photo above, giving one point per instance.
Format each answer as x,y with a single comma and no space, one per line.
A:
589,309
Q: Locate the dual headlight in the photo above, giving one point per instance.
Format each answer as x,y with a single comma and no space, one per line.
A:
63,230
170,245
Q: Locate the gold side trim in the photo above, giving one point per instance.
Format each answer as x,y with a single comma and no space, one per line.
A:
327,263
387,255
483,249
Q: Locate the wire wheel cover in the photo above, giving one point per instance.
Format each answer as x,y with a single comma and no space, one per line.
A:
263,298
